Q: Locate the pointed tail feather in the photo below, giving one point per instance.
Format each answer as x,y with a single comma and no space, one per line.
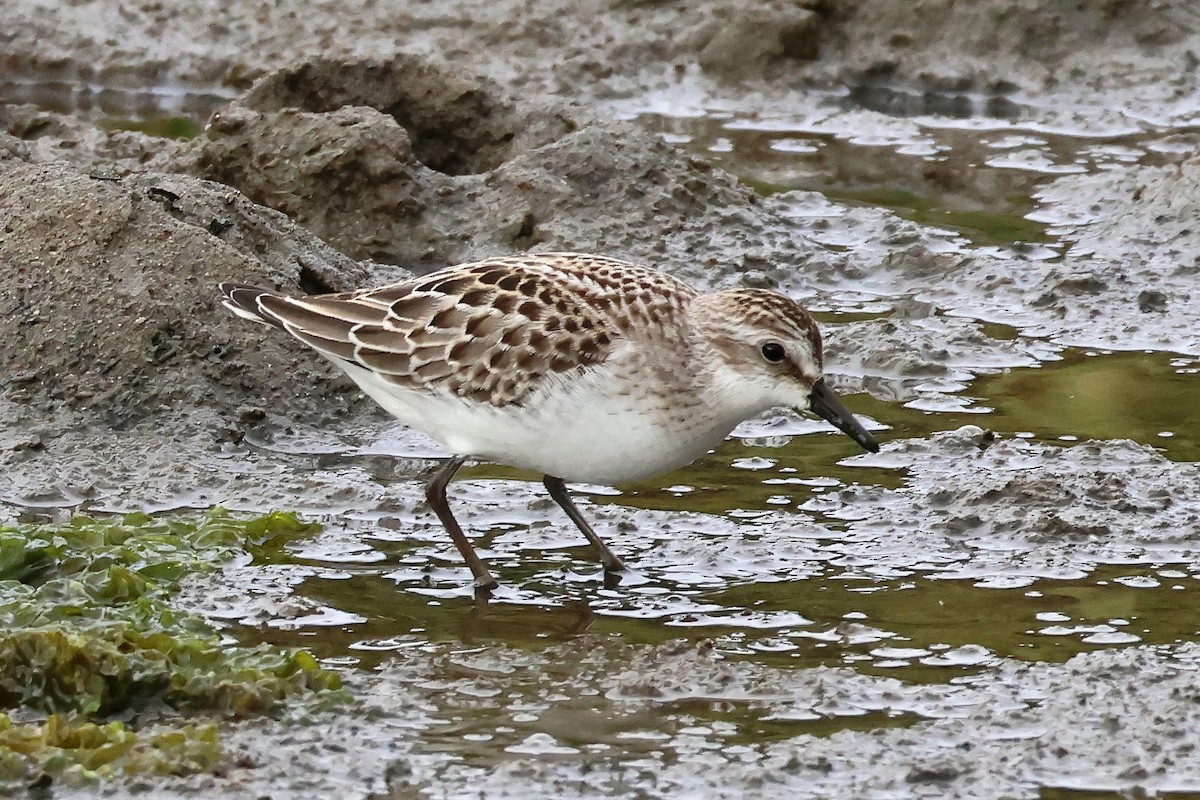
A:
244,301
330,334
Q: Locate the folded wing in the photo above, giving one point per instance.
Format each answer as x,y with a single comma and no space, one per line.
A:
491,331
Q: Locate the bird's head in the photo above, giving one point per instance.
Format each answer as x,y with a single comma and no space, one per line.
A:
766,353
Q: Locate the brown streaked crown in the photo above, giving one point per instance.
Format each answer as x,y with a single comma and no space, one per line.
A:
780,314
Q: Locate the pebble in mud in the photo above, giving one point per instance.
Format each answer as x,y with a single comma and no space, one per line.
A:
1152,302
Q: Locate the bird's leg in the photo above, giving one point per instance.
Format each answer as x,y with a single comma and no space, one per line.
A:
558,490
435,494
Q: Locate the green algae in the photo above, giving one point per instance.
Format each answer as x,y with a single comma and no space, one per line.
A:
81,752
88,634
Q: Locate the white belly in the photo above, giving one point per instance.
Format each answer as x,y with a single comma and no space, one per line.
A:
577,430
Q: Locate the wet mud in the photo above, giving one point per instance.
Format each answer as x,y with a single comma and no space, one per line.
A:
991,211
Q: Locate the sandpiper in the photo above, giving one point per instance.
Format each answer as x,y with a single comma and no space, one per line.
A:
578,367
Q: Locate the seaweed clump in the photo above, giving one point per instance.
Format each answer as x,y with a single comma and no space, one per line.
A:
89,641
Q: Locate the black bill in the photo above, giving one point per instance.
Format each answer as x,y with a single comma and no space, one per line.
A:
825,404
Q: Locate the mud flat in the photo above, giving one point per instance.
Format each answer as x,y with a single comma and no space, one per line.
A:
967,613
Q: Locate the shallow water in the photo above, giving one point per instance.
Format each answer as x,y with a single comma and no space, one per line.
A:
919,626
976,175
170,110
1151,398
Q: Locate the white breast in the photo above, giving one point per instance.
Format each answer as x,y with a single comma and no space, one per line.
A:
588,427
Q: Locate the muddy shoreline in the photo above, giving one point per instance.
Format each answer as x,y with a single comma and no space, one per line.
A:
351,149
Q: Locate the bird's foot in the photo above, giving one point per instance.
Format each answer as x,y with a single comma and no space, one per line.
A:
612,577
485,588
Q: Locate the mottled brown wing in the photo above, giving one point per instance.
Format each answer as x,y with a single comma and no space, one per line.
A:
491,331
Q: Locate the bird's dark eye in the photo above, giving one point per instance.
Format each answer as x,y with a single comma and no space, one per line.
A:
773,352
